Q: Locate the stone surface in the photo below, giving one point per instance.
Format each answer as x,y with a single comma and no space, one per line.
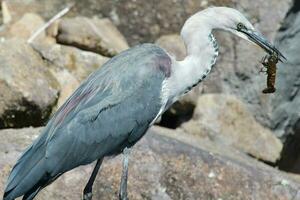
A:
28,89
163,168
140,21
26,26
97,35
285,116
78,62
6,16
224,119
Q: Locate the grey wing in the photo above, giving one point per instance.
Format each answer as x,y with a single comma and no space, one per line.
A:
111,109
114,114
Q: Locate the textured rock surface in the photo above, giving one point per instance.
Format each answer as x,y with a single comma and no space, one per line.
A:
224,119
97,35
140,21
28,89
79,63
26,26
162,168
286,104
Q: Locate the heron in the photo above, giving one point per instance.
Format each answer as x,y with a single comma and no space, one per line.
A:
115,106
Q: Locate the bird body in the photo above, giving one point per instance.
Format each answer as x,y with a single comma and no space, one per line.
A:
101,118
114,107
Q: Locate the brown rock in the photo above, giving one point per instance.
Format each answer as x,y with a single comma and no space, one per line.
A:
79,63
26,26
28,89
224,119
144,21
162,168
52,30
6,16
97,35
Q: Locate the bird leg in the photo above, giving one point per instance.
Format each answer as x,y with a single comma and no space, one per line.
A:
264,65
87,192
263,70
123,185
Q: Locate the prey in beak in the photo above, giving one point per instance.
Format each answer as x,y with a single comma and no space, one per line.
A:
270,61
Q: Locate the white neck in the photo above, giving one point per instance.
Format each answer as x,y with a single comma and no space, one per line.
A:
202,51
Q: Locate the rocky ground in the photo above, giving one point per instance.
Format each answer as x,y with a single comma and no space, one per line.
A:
225,140
166,165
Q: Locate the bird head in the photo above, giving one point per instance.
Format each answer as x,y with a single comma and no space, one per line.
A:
233,21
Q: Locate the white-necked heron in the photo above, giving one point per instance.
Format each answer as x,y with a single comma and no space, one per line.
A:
114,107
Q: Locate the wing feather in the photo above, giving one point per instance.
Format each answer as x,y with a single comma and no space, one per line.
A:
112,109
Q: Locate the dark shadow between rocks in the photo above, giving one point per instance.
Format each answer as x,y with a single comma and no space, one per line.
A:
25,114
290,156
176,115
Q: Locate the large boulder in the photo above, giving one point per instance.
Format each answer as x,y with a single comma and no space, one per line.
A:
224,119
285,116
78,62
28,89
97,35
162,167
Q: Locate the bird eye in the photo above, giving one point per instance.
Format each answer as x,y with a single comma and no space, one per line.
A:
241,26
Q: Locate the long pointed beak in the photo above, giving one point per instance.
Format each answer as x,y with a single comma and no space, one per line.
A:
261,41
